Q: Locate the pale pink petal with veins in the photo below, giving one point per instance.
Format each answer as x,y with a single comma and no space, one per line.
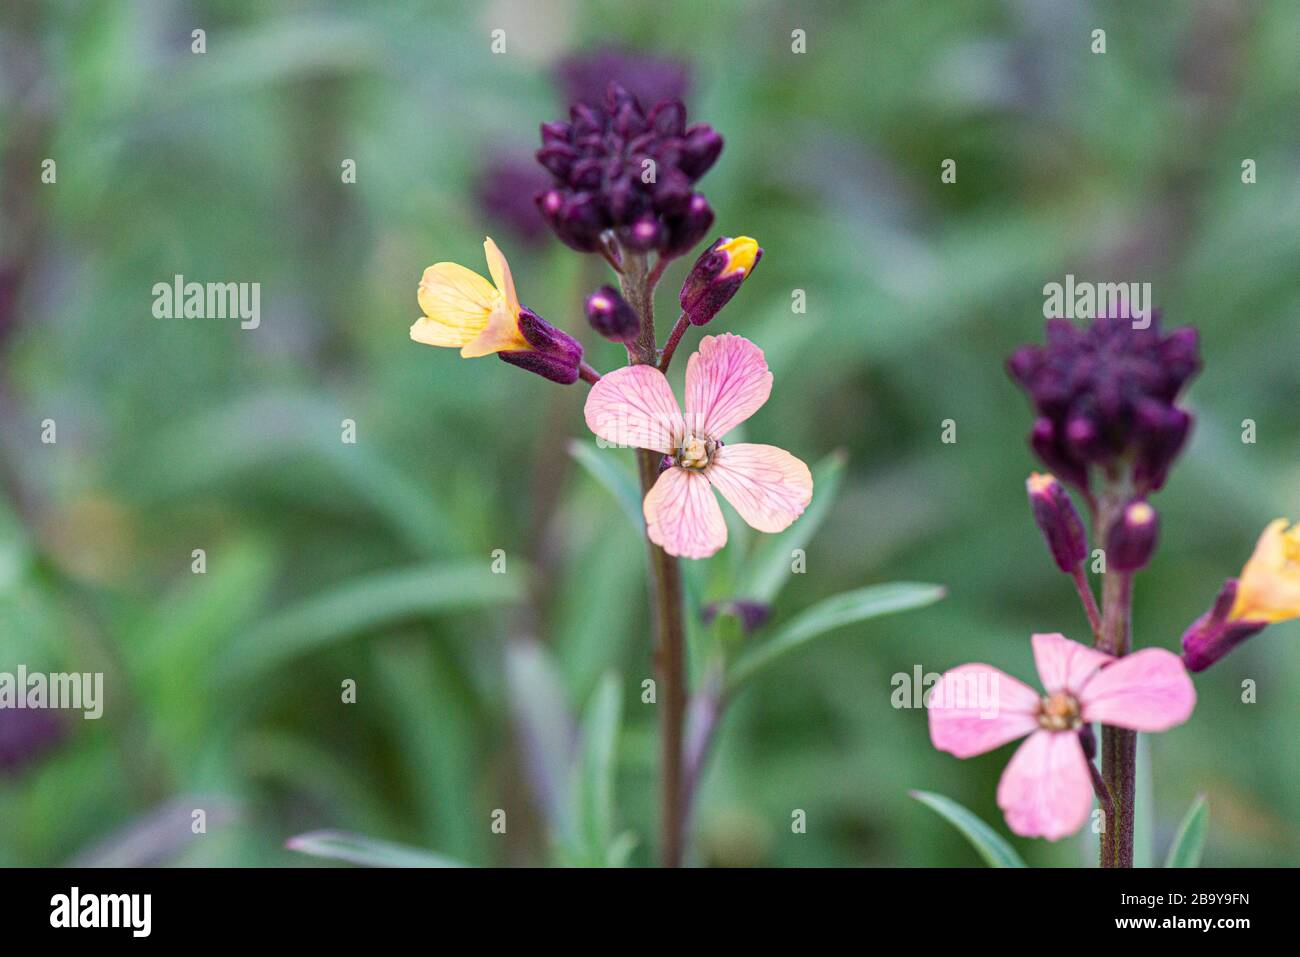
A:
633,407
682,515
727,381
768,486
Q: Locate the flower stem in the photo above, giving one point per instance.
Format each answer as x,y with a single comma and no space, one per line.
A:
674,337
637,282
587,373
1089,601
1118,745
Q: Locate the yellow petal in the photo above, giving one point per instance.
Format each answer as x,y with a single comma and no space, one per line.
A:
500,270
434,333
741,253
501,334
1269,586
458,301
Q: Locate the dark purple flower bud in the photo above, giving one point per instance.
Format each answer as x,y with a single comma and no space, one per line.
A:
1046,444
752,615
554,355
717,276
700,149
643,235
688,229
574,218
1105,396
611,315
25,737
1165,430
1216,632
668,118
1057,519
1132,537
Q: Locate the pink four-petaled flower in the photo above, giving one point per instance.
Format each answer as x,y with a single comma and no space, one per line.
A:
1046,790
727,381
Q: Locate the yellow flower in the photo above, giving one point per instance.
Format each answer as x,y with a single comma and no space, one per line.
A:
1269,587
462,310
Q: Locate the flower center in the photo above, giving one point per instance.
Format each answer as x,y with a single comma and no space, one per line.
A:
1060,712
695,451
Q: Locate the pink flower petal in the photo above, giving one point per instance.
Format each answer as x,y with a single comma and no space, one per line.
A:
633,407
682,515
1148,690
768,486
976,708
726,382
1046,790
1064,664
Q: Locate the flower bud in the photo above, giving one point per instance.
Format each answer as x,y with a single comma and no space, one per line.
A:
553,354
25,737
611,315
1132,537
751,614
1217,632
716,276
1057,520
686,229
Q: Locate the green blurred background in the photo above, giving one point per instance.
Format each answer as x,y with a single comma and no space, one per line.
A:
371,561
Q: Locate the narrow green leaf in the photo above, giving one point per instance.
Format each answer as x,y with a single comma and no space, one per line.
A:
545,725
601,464
1189,842
365,851
595,778
988,842
767,569
364,604
845,608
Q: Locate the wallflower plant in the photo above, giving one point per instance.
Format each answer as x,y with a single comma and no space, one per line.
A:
1108,422
624,187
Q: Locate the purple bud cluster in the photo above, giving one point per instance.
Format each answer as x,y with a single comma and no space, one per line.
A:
1106,394
616,167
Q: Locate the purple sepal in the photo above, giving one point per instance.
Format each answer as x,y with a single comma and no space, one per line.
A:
706,290
554,355
1212,635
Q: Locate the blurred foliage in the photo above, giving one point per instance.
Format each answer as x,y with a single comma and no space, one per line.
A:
371,562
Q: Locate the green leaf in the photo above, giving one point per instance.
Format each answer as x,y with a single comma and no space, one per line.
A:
622,484
594,778
545,725
365,851
368,603
767,569
988,842
834,612
1189,842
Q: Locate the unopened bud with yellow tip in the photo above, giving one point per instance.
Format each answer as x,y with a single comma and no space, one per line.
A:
716,277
